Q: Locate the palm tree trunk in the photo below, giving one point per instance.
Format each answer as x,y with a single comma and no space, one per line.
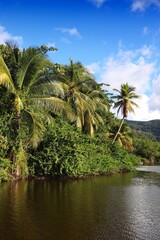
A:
119,129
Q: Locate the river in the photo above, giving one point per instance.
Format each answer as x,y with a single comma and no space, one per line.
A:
123,206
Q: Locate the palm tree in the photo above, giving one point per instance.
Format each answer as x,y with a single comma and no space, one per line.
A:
124,137
125,103
84,95
28,80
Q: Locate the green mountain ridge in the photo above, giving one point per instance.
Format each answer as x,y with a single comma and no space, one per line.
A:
152,126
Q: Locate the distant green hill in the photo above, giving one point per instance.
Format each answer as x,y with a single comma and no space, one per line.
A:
152,127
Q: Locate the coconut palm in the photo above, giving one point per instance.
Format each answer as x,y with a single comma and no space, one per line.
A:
124,137
84,95
125,103
28,79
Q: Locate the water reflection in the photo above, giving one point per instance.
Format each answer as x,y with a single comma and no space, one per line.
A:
142,205
124,206
149,168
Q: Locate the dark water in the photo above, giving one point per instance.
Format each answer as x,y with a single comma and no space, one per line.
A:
124,206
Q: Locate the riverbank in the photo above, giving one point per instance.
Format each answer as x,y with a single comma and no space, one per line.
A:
67,177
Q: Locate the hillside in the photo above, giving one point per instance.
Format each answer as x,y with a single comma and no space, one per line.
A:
152,127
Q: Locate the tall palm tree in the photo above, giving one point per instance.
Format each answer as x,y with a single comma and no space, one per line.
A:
28,79
125,103
84,95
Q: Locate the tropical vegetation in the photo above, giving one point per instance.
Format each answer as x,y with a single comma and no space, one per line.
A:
125,103
56,120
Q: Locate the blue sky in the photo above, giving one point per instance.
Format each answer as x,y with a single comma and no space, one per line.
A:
117,40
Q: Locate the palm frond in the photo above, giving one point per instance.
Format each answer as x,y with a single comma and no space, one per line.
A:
48,88
18,104
30,62
134,104
36,127
53,104
5,77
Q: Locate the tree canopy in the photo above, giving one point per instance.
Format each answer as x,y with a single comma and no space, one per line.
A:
56,119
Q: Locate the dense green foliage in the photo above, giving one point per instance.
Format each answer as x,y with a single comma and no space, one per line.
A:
56,120
66,151
146,148
152,127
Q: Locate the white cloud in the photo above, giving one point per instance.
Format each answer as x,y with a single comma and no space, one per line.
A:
145,51
142,5
128,66
73,32
138,5
144,113
138,69
5,36
97,3
155,94
93,68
